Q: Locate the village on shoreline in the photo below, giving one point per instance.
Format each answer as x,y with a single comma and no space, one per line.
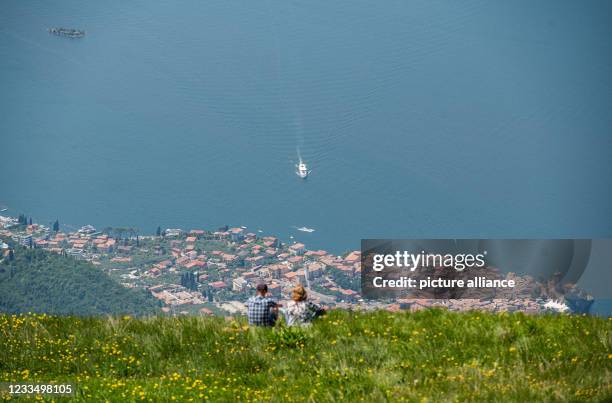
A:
214,272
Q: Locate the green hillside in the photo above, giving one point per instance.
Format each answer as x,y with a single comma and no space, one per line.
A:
426,356
39,281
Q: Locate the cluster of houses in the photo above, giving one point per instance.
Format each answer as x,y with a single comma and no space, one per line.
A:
82,243
242,260
174,295
227,264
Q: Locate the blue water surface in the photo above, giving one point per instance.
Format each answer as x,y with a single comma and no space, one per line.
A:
418,118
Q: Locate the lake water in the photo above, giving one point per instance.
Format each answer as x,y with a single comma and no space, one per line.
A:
418,118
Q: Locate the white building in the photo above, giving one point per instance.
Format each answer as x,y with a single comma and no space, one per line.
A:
173,232
239,284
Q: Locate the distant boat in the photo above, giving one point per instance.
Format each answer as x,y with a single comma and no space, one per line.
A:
305,229
67,32
3,210
302,170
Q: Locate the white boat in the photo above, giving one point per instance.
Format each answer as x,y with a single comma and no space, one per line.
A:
305,229
302,170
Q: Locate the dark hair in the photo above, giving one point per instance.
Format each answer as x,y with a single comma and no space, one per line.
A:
262,287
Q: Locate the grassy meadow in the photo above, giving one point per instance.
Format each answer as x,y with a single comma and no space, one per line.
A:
433,355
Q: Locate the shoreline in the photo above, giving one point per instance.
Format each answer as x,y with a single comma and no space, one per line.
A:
227,264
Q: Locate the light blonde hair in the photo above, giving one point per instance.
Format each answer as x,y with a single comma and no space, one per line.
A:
299,293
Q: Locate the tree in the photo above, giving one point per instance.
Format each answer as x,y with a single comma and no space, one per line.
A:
158,232
133,233
41,281
56,226
119,233
188,280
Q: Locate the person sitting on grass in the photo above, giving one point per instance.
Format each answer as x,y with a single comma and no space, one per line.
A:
299,311
261,309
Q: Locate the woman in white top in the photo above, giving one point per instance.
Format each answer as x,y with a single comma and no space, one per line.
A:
299,311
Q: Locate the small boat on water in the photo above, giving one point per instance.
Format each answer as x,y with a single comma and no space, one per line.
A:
67,32
305,229
302,170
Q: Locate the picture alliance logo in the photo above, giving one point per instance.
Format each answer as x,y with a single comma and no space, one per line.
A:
412,261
